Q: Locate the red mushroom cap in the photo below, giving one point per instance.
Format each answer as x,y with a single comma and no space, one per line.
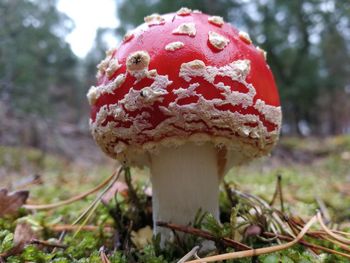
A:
182,77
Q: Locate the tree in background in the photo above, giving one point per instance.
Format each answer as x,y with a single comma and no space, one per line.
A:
308,46
38,70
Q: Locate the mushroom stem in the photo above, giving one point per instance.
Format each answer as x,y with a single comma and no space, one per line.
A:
184,179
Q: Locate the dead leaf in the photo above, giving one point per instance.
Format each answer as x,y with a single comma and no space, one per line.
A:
252,231
117,187
11,202
142,237
22,236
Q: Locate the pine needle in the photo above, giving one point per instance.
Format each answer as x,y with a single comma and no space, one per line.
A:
89,211
259,251
330,232
73,199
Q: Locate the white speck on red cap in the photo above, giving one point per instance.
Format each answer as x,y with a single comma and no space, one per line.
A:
236,70
128,36
95,92
185,29
154,20
113,66
137,64
184,11
174,46
110,51
216,20
147,96
271,113
245,37
218,41
102,66
185,93
262,52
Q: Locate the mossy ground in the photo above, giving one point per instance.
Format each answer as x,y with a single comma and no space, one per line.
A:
312,170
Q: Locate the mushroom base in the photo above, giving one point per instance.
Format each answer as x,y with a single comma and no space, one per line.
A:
185,179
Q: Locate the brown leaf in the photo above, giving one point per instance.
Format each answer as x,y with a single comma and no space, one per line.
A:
252,231
142,237
117,187
11,202
22,236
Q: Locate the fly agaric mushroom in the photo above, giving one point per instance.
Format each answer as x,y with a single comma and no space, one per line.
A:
189,96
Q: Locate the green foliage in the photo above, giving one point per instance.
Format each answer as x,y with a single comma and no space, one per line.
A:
213,226
6,239
7,224
148,255
118,257
33,253
82,245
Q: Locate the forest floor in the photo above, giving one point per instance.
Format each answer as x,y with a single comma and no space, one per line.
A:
310,174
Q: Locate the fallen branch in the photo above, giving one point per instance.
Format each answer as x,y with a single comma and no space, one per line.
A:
259,251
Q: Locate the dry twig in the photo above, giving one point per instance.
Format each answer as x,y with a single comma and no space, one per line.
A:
47,243
205,234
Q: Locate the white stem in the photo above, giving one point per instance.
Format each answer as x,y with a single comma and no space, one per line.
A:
184,180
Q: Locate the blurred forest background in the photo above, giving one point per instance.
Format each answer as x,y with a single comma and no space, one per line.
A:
43,84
